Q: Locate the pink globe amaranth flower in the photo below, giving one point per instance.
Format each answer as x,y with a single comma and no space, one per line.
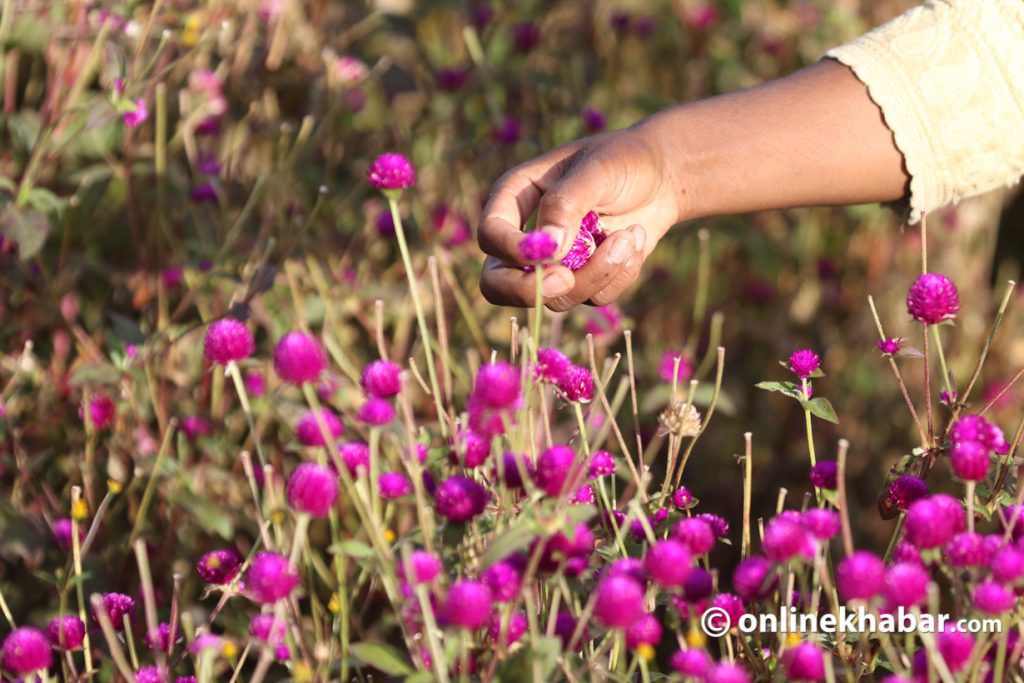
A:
255,384
266,628
732,605
906,584
477,448
682,498
537,247
861,576
117,606
391,172
571,555
1007,565
804,662
905,552
933,521
508,130
993,598
822,523
308,428
525,36
630,567
968,550
804,363
376,412
299,358
1012,517
668,563
159,638
270,578
228,340
150,674
604,321
66,632
727,673
825,474
558,470
385,224
696,534
577,384
382,379
497,386
786,538
452,79
512,631
906,489
62,533
137,115
468,604
970,460
955,648
932,298
423,567
601,464
26,650
219,566
718,524
896,679
593,120
504,579
968,428
701,16
206,641
644,631
667,368
512,475
890,346
698,585
692,662
619,601
459,499
101,411
754,578
551,365
590,236
356,457
312,489
584,495
393,485
195,426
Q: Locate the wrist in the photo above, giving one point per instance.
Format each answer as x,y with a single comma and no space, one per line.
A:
668,135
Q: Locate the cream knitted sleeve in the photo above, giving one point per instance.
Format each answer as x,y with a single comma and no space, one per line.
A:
949,78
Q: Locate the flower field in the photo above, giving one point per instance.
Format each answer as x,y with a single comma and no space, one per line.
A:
258,423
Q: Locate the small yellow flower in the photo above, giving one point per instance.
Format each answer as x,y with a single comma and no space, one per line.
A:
389,535
302,672
335,603
278,516
229,649
792,640
696,638
114,486
190,30
645,651
79,510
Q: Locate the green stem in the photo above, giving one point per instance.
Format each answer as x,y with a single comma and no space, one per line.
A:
807,421
942,364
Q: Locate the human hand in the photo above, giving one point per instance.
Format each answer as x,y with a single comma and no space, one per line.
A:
622,175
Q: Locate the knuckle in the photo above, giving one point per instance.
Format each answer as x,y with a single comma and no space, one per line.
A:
557,203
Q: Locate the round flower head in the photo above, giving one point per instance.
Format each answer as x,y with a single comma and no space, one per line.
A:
219,566
644,631
376,412
514,466
557,470
1008,565
732,605
298,358
459,499
968,550
270,577
754,578
804,662
308,428
577,384
727,673
468,604
117,606
356,456
696,534
932,298
423,567
950,513
62,529
195,426
785,538
619,602
101,411
890,346
718,524
551,365
228,340
537,247
955,648
477,448
861,576
584,495
504,579
509,633
601,464
682,498
804,363
382,379
312,489
149,674
824,474
823,524
970,460
525,36
906,584
590,236
993,598
668,563
267,628
393,485
698,585
927,523
692,662
497,386
391,172
905,489
26,650
159,638
565,629
905,552
66,632
667,368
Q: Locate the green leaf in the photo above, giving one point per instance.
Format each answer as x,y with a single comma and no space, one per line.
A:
101,374
27,228
519,667
821,408
420,677
516,537
356,549
787,388
382,657
126,329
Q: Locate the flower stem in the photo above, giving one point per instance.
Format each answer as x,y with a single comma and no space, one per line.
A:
942,364
810,431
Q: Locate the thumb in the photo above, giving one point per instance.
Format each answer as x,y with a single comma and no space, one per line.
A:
567,201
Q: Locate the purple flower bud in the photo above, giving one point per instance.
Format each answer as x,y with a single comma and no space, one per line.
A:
511,463
101,411
270,578
312,489
993,598
393,485
298,358
823,524
376,412
159,638
698,585
1008,565
786,538
26,650
537,247
226,340
824,475
565,629
219,566
452,79
504,579
692,662
66,632
459,499
356,456
551,365
754,578
906,584
308,429
970,460
718,525
497,386
861,576
255,384
391,172
194,427
667,367
682,498
696,534
149,674
525,36
468,604
512,631
932,298
955,648
117,606
905,489
804,363
727,673
382,379
668,563
601,464
266,628
62,533
577,384
584,495
425,567
620,600
804,662
644,631
557,470
890,346
593,120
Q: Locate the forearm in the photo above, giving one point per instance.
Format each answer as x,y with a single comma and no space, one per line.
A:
812,138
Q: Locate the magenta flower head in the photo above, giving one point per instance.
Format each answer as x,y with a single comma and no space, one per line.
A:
537,247
993,598
557,470
696,534
195,426
228,340
266,628
933,298
468,604
682,498
727,673
299,358
824,474
804,662
308,428
668,563
955,648
101,411
904,490
159,638
890,346
823,524
692,662
906,584
356,456
219,566
312,489
577,384
393,485
590,236
785,538
754,578
391,172
25,650
968,550
382,379
667,367
376,412
459,499
804,363
525,36
1008,565
551,365
62,533
511,632
515,466
698,586
504,579
933,521
117,606
619,602
861,576
270,578
497,386
732,605
593,120
601,464
137,115
423,567
970,460
718,524
66,632
644,631
150,674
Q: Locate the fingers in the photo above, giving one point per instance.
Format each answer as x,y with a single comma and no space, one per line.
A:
563,205
626,276
506,285
613,267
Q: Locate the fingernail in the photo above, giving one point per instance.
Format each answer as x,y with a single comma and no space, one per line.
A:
641,238
621,250
555,233
554,285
